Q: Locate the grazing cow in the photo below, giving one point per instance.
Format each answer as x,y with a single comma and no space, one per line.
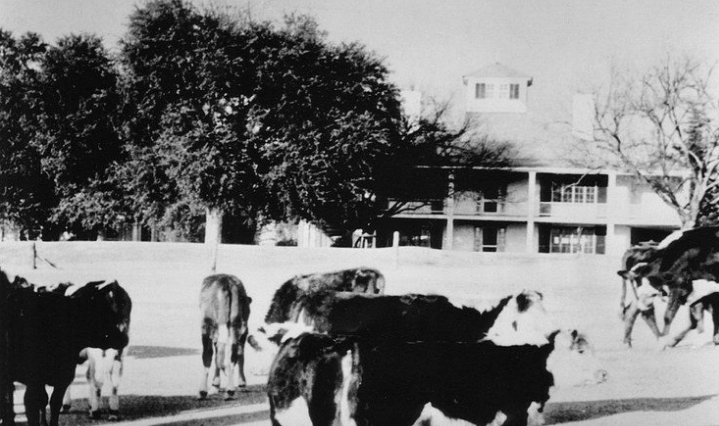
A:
681,259
324,380
412,317
104,365
45,332
641,301
358,280
225,309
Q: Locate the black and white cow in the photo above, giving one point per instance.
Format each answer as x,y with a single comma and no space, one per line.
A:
638,300
45,332
318,379
225,310
412,317
104,366
679,261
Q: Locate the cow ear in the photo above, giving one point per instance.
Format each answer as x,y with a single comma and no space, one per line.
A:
623,273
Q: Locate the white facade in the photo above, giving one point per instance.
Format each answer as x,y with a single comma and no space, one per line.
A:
544,206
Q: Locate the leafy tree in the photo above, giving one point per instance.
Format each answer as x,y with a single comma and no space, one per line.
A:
26,193
77,137
186,82
59,139
662,127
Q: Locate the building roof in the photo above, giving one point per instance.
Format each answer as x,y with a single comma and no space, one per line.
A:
497,70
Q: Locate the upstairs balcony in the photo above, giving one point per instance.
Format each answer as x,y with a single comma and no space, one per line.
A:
580,212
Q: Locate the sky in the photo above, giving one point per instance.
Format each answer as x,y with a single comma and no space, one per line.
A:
565,45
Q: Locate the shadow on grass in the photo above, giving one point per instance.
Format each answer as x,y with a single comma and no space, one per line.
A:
562,412
134,407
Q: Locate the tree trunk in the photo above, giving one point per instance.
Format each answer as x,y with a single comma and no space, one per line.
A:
213,234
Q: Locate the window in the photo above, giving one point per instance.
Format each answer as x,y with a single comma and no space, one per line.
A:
514,91
573,240
489,239
503,92
574,194
480,91
491,200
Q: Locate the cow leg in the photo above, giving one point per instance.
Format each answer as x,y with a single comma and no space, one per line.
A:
115,375
58,393
7,412
94,382
630,317
35,402
222,359
238,360
67,401
715,320
697,317
651,321
206,362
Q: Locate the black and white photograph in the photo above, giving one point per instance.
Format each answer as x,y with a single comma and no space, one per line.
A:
359,213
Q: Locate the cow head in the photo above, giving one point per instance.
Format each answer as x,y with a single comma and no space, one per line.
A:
523,320
108,307
368,281
573,361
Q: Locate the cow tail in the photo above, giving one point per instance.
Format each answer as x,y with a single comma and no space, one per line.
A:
235,318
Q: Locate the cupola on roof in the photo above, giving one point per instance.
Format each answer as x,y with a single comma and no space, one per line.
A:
497,70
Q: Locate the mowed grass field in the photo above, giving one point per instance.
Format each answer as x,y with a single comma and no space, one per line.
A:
162,372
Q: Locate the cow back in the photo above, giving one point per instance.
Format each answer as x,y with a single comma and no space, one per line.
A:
224,300
411,317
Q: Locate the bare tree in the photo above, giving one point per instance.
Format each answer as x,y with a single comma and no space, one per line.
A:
662,127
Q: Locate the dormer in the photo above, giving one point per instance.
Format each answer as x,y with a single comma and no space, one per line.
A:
496,88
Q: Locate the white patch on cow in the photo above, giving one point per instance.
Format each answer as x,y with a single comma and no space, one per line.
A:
534,416
481,305
223,334
346,415
431,416
72,289
105,284
531,327
647,295
297,414
570,367
670,239
701,289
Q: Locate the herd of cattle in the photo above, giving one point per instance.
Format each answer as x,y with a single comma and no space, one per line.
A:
345,353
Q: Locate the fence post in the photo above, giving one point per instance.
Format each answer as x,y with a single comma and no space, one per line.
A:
395,244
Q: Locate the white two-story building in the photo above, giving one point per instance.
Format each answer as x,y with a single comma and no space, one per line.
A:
555,199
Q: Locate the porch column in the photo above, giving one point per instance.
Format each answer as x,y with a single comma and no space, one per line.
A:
611,240
532,208
450,213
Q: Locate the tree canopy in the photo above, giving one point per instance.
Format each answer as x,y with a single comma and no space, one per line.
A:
207,113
